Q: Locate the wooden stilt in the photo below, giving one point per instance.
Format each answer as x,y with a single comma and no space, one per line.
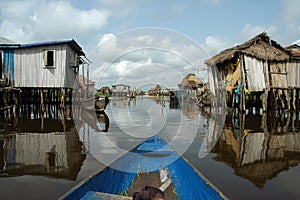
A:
265,101
297,99
62,98
42,100
282,99
288,99
293,96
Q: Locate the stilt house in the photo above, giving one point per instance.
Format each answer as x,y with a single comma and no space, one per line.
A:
254,69
47,67
155,91
120,90
191,84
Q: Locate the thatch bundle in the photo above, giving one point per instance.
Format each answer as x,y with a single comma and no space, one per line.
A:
260,47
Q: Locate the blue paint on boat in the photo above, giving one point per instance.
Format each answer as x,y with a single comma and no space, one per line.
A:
150,156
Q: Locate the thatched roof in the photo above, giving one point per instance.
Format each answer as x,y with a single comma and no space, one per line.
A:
154,90
190,81
260,47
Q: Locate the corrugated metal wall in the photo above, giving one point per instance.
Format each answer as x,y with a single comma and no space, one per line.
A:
256,74
293,69
31,72
71,60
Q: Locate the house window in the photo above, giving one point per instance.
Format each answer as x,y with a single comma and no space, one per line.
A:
49,58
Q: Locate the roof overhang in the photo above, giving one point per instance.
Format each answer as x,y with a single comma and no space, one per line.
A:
72,43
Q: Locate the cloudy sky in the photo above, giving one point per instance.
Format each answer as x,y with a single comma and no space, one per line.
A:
115,34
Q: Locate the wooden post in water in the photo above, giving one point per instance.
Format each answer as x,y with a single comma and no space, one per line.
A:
62,98
265,101
288,99
294,94
42,100
297,98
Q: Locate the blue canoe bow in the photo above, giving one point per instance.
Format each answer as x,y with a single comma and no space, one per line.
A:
144,165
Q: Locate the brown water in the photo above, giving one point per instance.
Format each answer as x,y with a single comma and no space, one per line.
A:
43,156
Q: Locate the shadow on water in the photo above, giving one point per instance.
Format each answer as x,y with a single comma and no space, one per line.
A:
40,143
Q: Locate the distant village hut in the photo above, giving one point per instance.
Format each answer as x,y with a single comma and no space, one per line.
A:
155,91
47,70
293,75
256,68
191,83
120,90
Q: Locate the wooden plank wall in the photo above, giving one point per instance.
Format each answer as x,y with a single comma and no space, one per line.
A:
31,72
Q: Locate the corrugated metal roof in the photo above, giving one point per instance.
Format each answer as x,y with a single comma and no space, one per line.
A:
70,42
295,50
296,54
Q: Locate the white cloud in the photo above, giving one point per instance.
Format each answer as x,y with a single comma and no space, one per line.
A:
142,56
291,17
28,21
214,44
138,74
120,8
249,31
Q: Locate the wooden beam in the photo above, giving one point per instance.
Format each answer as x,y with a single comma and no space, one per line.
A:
283,73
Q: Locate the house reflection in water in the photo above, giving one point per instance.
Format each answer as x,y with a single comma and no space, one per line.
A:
259,151
53,151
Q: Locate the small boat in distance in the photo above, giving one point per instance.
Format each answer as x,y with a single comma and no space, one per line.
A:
95,103
152,164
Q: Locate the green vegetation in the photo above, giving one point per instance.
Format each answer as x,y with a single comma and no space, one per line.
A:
100,94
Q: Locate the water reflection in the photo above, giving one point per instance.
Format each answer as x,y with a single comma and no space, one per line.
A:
94,120
259,147
130,121
40,143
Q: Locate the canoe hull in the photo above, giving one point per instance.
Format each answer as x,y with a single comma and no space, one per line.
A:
121,176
